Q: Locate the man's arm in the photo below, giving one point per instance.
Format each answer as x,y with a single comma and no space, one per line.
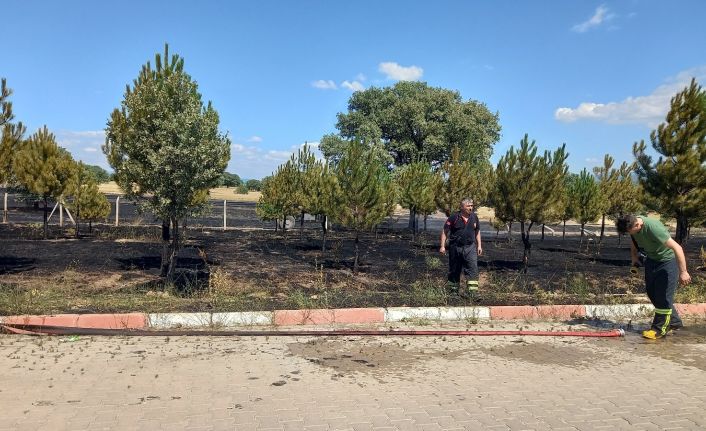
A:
442,247
684,277
633,254
478,242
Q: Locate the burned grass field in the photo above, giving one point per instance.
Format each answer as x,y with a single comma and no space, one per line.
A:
117,270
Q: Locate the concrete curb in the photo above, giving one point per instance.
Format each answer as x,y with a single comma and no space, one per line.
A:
618,312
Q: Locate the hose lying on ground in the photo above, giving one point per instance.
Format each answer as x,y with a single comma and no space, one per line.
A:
14,328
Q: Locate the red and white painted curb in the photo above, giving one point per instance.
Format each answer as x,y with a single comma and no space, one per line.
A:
618,312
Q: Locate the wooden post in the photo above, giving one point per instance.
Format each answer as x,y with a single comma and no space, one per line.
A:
117,210
61,215
224,215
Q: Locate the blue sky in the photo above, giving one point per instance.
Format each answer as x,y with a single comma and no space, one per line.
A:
595,75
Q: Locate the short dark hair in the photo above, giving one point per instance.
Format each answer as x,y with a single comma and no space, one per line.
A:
625,222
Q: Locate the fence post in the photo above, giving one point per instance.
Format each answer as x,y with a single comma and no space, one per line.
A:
224,215
117,210
61,215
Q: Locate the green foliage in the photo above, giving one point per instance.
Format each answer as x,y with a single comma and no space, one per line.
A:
10,134
618,193
254,185
677,180
44,168
164,145
229,180
88,202
281,193
98,174
416,184
585,198
528,187
367,191
459,178
416,122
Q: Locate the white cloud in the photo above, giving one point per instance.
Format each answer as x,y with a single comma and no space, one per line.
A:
401,73
254,139
324,84
90,149
601,15
353,86
360,77
84,145
649,110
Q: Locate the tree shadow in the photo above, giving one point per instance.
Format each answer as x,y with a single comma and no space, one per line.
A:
13,265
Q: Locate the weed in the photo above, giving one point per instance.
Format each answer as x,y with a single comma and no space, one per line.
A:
403,264
692,293
432,262
417,321
427,293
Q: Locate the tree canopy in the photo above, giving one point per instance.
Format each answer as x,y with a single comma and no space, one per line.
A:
677,180
416,122
164,144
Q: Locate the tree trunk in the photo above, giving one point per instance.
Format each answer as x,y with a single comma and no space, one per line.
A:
165,248
563,231
355,261
46,203
411,224
78,219
527,250
602,228
324,229
542,232
425,222
301,228
90,227
173,250
682,229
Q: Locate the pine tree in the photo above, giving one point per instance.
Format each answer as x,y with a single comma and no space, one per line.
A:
368,194
527,186
323,195
459,178
165,146
584,192
677,180
88,202
416,186
44,168
10,138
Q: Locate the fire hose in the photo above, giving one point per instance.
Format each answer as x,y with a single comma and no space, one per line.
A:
64,330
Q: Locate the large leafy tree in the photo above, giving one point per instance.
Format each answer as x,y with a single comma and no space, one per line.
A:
528,186
367,190
416,122
165,146
677,180
45,169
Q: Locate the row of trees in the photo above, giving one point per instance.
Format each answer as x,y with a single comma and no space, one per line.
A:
393,144
39,166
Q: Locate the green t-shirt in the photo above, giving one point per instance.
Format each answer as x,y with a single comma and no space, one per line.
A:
651,239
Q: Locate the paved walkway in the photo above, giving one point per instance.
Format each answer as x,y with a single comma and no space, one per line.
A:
354,383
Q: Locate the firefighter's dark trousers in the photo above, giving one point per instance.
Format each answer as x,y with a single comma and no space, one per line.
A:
463,258
661,280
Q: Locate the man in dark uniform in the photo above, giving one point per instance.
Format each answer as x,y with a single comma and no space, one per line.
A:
463,232
665,269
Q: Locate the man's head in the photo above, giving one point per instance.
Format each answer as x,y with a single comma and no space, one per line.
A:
467,206
628,223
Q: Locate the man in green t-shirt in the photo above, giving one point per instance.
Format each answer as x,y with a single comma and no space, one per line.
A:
665,268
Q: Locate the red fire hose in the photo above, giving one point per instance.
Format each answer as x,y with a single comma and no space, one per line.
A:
63,330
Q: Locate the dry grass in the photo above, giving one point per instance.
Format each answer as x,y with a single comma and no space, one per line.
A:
221,193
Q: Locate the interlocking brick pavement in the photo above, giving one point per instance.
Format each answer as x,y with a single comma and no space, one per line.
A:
352,383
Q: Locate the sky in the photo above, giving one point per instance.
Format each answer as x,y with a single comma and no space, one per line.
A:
597,76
